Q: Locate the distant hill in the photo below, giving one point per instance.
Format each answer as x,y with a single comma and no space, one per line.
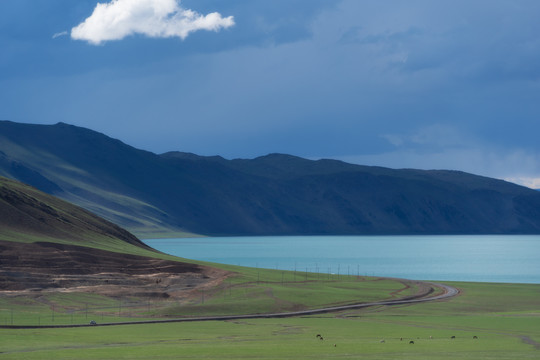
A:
270,195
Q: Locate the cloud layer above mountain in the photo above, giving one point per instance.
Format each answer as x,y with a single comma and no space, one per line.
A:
426,84
153,18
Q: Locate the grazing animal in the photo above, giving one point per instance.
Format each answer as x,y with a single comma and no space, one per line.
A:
411,342
321,338
453,337
475,337
430,337
382,341
400,339
318,335
335,345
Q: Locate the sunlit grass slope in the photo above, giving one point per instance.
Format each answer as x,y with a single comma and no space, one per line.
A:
29,215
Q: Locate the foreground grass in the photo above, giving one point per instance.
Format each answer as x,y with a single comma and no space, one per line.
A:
504,317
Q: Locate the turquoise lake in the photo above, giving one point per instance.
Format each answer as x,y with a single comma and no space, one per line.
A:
501,258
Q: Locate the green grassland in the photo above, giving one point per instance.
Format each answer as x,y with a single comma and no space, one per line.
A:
504,317
245,291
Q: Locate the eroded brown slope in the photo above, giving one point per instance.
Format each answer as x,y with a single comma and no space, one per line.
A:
60,267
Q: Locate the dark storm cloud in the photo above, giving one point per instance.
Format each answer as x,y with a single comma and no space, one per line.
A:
445,84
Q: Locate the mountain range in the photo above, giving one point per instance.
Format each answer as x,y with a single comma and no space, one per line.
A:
276,194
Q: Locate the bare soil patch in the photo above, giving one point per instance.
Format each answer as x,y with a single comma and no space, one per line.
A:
39,267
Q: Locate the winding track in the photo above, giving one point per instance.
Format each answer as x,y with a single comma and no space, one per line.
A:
448,292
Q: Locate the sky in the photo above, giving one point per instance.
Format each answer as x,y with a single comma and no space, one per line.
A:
403,84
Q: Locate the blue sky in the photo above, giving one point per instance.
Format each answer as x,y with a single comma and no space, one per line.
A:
403,84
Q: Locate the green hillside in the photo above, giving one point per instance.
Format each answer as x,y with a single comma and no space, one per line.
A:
29,215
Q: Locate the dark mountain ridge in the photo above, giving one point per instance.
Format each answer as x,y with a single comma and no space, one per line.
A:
270,195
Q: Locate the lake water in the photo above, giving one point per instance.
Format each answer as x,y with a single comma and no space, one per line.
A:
501,258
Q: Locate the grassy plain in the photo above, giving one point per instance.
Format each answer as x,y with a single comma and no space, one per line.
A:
504,317
246,291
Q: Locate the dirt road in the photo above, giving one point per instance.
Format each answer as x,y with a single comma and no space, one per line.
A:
424,296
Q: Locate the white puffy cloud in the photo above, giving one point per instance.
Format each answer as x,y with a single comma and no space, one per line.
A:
153,18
